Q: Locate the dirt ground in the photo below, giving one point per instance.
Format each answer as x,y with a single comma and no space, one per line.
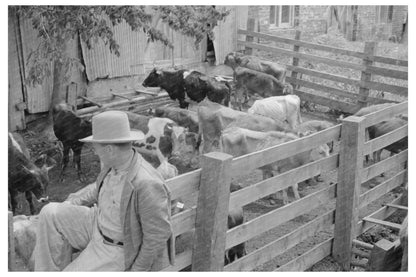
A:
38,141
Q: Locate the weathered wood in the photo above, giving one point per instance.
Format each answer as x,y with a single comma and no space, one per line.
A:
246,163
184,221
359,243
374,170
324,101
181,261
385,257
184,184
383,188
212,213
388,224
386,139
369,50
382,213
386,113
11,252
121,96
360,253
250,27
309,258
295,61
276,217
397,206
153,93
358,263
282,244
91,101
348,190
398,74
266,187
72,94
392,61
403,91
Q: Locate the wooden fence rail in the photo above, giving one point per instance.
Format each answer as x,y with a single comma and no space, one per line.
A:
339,99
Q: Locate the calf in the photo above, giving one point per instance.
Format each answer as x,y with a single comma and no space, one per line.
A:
180,84
239,141
280,108
24,175
234,219
236,59
69,128
184,118
251,83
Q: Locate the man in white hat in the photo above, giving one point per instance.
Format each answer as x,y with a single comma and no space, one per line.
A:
121,223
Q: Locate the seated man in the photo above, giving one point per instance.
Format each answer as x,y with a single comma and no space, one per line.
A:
123,223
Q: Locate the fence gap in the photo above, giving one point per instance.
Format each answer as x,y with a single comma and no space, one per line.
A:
369,52
212,213
348,189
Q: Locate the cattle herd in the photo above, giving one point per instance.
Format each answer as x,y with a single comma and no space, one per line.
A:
255,111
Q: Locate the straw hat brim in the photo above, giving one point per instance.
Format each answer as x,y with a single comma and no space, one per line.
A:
134,135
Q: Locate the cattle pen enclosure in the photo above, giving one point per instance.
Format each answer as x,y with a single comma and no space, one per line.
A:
207,219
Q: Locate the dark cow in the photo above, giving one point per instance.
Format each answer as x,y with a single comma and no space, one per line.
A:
254,83
235,218
383,128
24,175
69,128
184,118
180,84
239,141
236,59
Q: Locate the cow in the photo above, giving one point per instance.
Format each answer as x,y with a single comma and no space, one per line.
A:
239,141
214,118
234,219
24,175
383,128
181,84
235,59
280,108
68,129
251,83
184,118
313,126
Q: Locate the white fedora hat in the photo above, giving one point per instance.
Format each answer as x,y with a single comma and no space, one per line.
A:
112,127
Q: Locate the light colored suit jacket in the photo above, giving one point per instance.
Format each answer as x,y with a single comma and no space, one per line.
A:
145,215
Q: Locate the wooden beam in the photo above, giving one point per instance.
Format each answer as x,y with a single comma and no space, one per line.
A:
121,96
386,139
386,113
11,252
295,61
358,263
391,225
348,190
212,213
360,253
184,184
250,26
91,101
181,261
369,49
385,256
359,243
397,206
374,170
184,222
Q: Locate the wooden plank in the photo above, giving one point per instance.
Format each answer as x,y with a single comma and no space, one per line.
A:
309,258
397,206
388,224
242,165
305,44
383,188
212,213
380,260
184,184
403,91
281,215
392,61
184,221
250,26
391,73
358,243
121,96
381,213
282,244
372,171
369,50
91,101
358,263
181,261
386,113
360,253
324,101
348,190
322,88
385,140
11,248
266,187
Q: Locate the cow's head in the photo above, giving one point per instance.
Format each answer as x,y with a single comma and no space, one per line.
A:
287,89
153,79
39,178
185,154
320,152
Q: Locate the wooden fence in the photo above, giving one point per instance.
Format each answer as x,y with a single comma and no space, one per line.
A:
337,99
208,218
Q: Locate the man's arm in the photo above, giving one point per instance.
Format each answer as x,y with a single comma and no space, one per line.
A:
85,196
153,212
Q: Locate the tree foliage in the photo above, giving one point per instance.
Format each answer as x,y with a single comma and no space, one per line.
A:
56,25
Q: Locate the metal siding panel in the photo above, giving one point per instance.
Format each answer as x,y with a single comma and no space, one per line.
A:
37,97
225,35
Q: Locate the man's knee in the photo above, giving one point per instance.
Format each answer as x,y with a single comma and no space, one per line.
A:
52,209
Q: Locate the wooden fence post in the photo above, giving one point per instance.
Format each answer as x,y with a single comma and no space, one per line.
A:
369,51
385,256
11,251
251,23
212,213
295,61
348,189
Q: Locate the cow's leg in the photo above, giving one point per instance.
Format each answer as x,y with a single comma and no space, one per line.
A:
273,197
77,160
65,160
13,201
296,191
28,195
